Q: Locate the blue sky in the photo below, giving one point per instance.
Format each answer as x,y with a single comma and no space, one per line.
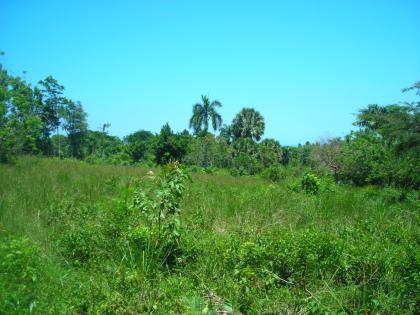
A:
307,66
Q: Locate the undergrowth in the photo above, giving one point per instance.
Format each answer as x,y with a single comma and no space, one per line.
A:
86,239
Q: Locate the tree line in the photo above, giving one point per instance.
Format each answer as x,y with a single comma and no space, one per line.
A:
40,120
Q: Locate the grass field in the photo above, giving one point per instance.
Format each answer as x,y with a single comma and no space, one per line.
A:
73,243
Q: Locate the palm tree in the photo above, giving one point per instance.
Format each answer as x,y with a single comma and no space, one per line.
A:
202,113
415,86
248,124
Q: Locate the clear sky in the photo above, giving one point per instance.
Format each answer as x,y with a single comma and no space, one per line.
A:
307,66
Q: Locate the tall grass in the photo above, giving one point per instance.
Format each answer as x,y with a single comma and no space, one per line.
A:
72,244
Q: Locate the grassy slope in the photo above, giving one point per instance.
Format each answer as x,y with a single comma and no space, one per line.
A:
261,247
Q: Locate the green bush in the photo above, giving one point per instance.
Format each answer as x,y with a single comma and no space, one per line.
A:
20,266
120,158
79,244
273,173
245,165
353,261
310,183
159,229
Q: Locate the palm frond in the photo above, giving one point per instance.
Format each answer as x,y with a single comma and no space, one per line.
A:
415,86
196,118
216,103
216,120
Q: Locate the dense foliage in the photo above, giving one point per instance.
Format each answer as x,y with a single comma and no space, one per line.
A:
40,120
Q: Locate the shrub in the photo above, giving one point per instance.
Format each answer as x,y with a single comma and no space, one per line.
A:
245,165
310,183
273,173
79,244
160,229
92,159
19,275
120,158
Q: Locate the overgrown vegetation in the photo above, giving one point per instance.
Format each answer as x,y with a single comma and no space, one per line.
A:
40,120
117,226
79,238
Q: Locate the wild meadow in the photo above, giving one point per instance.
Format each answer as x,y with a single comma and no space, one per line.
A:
216,219
209,157
78,238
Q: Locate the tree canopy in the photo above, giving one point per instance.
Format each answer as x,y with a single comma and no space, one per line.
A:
41,120
248,123
203,113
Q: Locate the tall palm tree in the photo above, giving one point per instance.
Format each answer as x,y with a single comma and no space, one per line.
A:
248,123
204,112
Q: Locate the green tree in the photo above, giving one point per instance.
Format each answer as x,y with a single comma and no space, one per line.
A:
398,125
208,151
20,122
244,146
365,159
286,155
304,153
53,109
245,160
23,117
269,152
6,141
248,123
60,141
397,128
140,145
203,113
245,164
226,133
76,126
326,155
170,146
